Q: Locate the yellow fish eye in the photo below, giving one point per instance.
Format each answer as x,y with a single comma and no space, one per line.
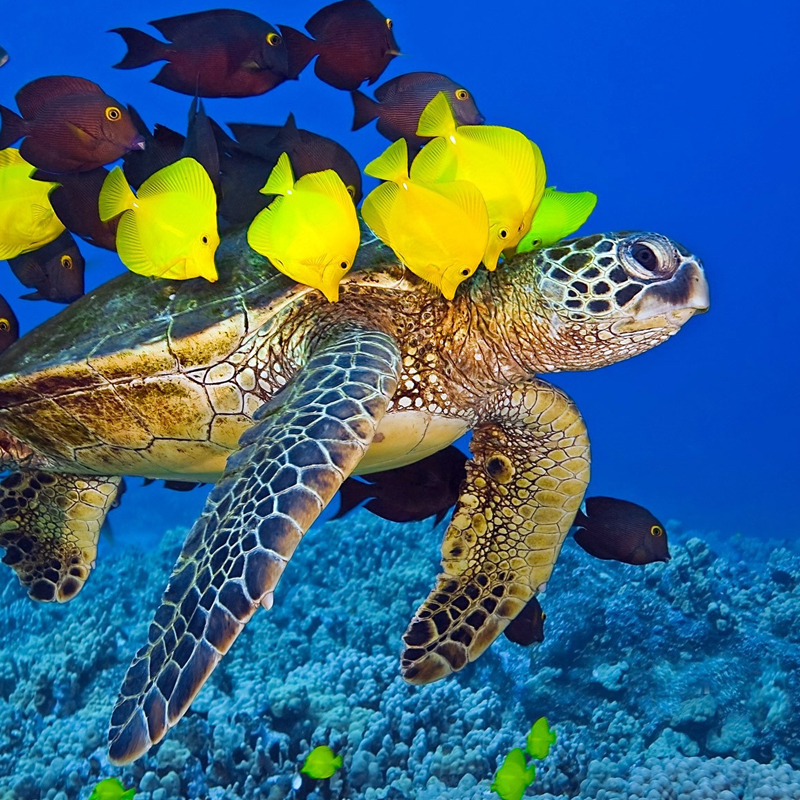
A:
273,39
465,272
344,265
113,114
5,325
66,262
389,23
205,240
462,94
656,530
351,190
503,233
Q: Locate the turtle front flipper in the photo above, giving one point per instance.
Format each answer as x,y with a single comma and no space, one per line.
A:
524,485
305,443
49,526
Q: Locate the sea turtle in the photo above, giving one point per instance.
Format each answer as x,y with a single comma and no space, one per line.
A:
261,385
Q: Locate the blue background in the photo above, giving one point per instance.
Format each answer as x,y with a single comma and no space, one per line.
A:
681,116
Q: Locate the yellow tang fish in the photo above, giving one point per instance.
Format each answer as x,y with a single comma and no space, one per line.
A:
321,763
505,165
558,215
310,232
513,776
27,220
438,230
169,228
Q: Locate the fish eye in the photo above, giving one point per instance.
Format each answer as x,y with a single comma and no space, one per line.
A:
344,265
389,23
537,242
4,324
503,233
205,240
656,530
462,94
351,190
273,39
66,262
113,114
465,272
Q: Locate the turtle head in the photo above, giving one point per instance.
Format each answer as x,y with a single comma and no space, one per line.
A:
608,297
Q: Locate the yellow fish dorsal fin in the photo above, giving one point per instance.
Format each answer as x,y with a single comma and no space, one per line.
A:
392,164
10,157
281,179
325,182
437,118
468,198
186,176
115,195
378,210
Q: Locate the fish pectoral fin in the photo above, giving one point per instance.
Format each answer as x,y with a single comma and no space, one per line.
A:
303,445
515,510
80,133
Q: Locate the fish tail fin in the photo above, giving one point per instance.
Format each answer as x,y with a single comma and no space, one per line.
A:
576,207
143,49
580,519
437,118
115,195
301,49
392,164
351,494
281,179
13,127
337,762
365,109
37,295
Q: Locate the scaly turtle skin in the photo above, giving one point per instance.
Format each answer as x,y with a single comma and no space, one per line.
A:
262,386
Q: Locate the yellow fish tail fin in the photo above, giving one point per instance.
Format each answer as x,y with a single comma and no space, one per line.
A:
378,210
115,195
337,762
437,118
186,176
435,163
576,207
392,164
281,179
129,245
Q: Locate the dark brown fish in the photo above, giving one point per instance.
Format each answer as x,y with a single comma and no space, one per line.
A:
399,103
75,202
354,43
69,125
528,626
55,271
617,530
222,53
176,486
307,151
201,144
415,492
9,326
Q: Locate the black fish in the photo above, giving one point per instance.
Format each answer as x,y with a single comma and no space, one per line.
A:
75,202
55,271
176,486
528,626
399,103
354,43
307,151
3,56
221,53
617,530
201,144
69,125
9,326
415,492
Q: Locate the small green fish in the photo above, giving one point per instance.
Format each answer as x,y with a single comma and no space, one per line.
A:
513,777
559,214
321,763
540,739
111,789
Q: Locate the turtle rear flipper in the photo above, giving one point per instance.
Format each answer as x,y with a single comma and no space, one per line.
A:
305,442
528,475
49,526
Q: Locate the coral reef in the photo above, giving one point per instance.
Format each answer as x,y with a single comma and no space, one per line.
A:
668,682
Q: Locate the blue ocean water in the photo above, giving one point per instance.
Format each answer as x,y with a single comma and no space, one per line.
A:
682,117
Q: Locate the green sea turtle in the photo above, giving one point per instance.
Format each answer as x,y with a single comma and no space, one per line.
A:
261,385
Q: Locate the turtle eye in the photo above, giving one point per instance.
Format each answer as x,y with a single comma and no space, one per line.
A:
113,114
5,325
657,530
66,262
351,190
344,265
273,39
649,256
462,94
389,23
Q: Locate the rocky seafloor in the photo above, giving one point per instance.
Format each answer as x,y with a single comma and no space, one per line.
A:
668,682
